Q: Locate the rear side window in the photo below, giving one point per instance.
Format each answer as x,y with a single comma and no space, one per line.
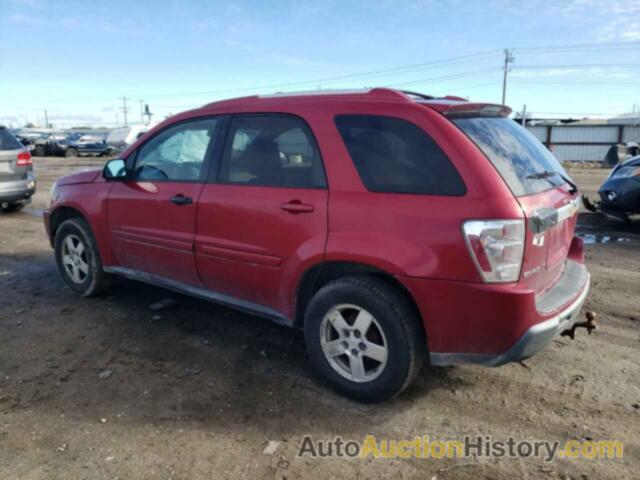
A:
395,156
271,151
517,155
8,141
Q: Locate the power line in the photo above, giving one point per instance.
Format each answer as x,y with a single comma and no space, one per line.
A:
472,73
580,65
572,83
580,46
369,74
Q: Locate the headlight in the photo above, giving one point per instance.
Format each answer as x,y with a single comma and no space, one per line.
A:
53,194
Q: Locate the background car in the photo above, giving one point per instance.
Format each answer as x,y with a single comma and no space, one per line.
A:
77,145
620,193
17,181
49,144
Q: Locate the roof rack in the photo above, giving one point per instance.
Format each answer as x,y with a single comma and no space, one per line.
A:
419,95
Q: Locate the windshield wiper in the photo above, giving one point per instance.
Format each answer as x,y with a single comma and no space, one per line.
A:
550,173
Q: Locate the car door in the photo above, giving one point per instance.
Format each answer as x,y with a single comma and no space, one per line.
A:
152,213
265,216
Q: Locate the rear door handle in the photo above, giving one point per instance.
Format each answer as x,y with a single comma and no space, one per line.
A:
296,206
180,199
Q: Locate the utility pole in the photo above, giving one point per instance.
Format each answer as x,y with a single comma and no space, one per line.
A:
524,115
124,109
508,58
46,119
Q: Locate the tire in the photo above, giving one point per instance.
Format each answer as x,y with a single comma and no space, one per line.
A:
395,326
87,277
71,153
39,151
13,207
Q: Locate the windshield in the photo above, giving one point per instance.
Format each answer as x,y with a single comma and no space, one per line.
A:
519,157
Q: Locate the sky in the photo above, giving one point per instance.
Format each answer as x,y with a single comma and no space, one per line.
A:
77,59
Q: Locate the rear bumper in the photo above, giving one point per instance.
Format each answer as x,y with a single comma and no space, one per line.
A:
494,324
17,190
535,339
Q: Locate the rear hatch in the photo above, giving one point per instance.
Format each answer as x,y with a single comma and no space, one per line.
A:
10,148
545,192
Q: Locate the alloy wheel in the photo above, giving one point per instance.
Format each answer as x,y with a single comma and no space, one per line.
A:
353,343
74,259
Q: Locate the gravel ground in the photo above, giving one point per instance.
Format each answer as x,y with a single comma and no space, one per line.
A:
107,388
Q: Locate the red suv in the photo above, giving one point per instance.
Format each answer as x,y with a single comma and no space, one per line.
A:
390,226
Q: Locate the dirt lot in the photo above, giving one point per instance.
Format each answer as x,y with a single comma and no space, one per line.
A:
107,388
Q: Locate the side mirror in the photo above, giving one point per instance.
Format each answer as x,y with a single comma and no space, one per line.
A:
115,170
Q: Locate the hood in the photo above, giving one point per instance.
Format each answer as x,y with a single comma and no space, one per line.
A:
83,176
631,162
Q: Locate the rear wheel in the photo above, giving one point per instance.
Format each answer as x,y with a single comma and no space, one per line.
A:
12,207
78,258
39,151
71,153
364,338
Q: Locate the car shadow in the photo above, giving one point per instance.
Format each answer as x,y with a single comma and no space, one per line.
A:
114,357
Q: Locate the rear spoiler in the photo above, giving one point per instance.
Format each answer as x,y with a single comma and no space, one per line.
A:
453,108
468,109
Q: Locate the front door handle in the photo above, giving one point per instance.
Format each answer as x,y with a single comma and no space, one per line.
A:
296,206
180,199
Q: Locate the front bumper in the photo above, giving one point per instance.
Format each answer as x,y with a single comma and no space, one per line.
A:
535,339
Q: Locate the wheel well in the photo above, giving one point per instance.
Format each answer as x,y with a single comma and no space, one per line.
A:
320,275
60,215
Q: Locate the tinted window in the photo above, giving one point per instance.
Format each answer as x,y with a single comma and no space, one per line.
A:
8,141
394,155
271,150
514,152
177,153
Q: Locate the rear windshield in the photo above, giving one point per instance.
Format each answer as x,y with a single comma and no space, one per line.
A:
8,141
514,152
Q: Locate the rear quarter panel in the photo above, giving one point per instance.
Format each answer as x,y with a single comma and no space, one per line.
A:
407,234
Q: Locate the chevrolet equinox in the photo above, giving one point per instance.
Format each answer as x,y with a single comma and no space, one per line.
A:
392,227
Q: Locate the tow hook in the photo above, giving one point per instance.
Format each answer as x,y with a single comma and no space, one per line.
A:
589,324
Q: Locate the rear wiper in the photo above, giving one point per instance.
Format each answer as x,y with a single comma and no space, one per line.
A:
551,173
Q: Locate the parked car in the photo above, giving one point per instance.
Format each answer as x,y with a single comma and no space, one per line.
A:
50,145
77,145
390,227
620,193
28,141
17,180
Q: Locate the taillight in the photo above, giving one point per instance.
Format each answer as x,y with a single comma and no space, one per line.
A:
496,247
24,159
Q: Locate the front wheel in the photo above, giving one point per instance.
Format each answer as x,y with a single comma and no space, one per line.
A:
71,153
78,258
364,338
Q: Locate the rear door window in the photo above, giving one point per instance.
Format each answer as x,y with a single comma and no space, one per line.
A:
8,141
271,151
517,155
395,156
